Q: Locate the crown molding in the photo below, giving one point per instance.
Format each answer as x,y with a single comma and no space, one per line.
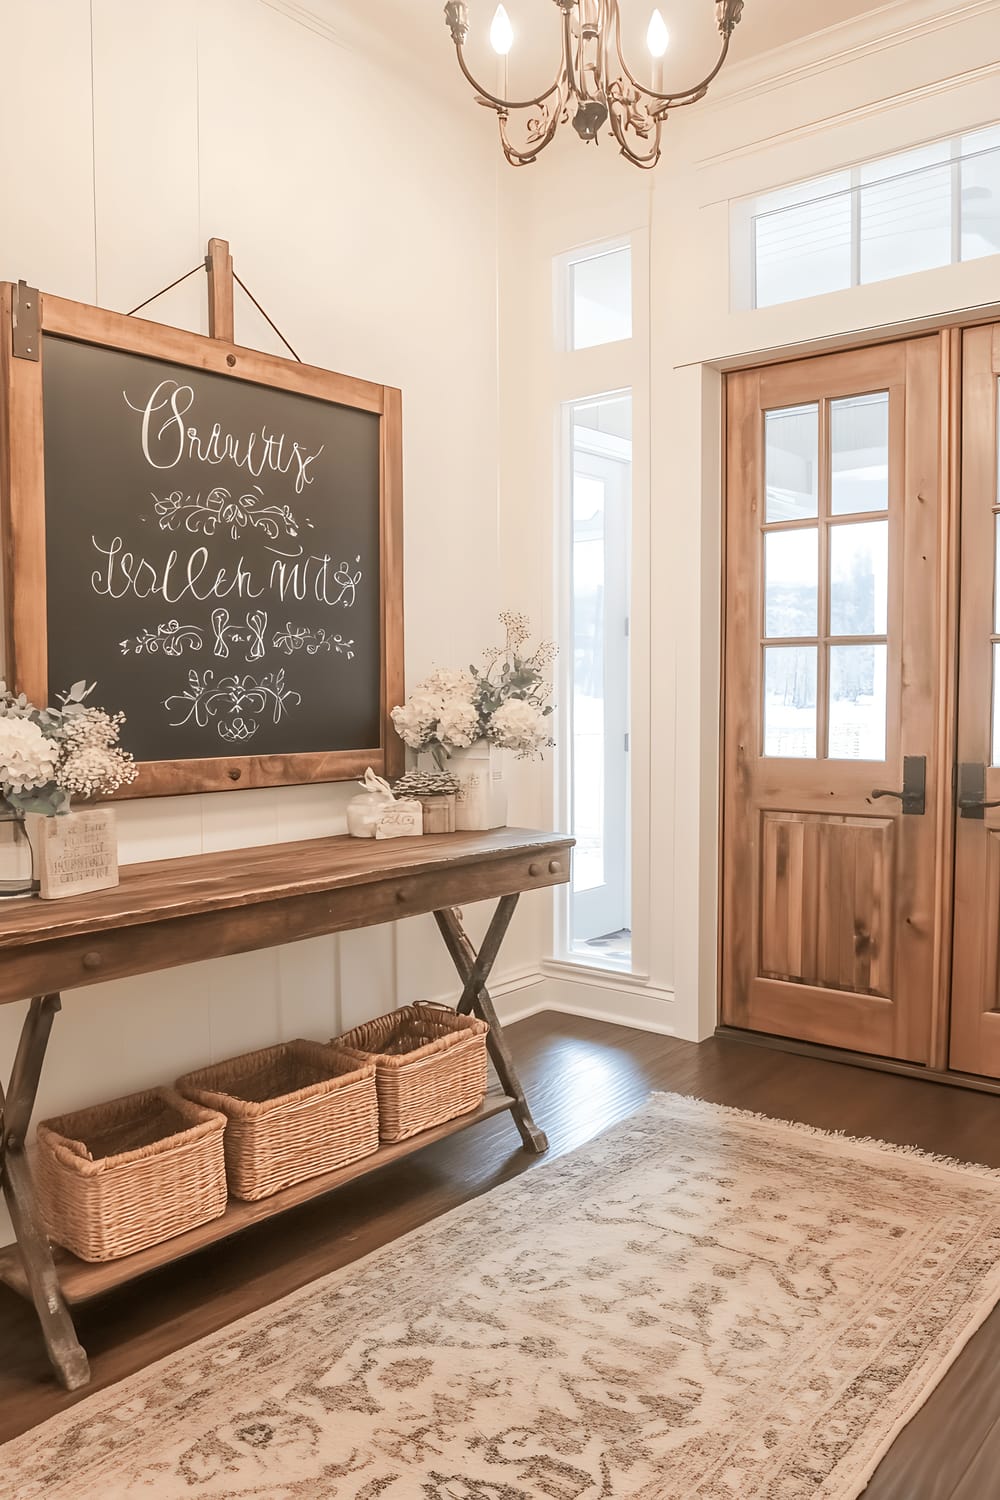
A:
394,45
874,107
303,15
885,28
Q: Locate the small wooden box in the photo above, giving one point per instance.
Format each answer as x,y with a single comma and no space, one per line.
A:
439,813
74,853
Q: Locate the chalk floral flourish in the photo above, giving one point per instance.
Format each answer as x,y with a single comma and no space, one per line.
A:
300,638
235,704
221,509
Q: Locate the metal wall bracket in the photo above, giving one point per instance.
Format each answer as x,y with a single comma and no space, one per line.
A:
27,340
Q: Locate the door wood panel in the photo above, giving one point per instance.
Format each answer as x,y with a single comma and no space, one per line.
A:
831,896
975,1010
824,887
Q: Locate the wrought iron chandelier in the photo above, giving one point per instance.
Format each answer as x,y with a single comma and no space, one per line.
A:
594,85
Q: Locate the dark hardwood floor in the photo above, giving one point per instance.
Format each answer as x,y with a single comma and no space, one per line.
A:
581,1076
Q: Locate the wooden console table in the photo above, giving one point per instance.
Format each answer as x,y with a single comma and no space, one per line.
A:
180,910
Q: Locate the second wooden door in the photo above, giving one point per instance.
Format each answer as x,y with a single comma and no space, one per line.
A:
975,1006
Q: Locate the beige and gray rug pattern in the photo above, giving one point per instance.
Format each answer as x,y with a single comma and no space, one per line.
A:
699,1305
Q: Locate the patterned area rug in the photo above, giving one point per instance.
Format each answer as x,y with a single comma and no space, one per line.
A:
699,1305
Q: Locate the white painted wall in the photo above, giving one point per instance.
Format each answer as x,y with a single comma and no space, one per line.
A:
132,133
900,75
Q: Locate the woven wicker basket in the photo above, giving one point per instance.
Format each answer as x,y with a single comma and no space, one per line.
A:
122,1176
293,1111
430,1066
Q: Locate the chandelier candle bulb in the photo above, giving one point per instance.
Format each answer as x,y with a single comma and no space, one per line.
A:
657,40
657,37
501,40
501,32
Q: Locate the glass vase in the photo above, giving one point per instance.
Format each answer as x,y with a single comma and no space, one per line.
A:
17,862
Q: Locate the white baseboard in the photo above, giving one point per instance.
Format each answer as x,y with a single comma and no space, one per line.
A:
601,997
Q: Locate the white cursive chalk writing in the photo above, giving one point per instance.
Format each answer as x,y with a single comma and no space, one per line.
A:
166,439
123,573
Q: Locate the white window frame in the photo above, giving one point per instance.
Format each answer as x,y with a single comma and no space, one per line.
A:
605,370
562,300
745,213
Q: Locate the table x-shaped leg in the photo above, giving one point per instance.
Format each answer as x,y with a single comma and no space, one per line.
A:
474,970
64,1349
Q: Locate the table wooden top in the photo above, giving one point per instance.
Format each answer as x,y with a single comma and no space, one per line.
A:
236,878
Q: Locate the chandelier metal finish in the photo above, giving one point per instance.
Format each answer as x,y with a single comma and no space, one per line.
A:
594,84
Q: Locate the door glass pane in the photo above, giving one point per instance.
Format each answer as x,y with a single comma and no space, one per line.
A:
857,702
859,578
995,757
996,575
588,680
601,299
905,212
792,463
601,435
859,436
790,701
791,588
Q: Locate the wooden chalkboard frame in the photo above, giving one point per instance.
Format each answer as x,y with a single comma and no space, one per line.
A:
22,491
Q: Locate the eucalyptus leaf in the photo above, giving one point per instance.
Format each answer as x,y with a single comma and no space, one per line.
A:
49,800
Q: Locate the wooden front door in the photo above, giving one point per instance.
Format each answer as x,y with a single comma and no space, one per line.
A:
833,518
975,1011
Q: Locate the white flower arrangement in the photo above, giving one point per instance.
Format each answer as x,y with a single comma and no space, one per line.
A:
505,701
48,755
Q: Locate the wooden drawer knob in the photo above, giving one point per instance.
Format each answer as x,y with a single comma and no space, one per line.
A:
92,959
554,867
534,869
400,895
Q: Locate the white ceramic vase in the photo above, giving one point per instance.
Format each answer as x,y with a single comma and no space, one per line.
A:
482,792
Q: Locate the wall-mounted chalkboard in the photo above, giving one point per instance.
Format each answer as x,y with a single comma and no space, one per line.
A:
218,533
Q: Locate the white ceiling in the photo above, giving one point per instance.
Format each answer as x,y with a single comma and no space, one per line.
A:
766,24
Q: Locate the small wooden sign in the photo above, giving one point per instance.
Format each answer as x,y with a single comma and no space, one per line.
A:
75,853
401,820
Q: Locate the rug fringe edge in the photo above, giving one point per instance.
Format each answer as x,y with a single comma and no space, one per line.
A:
870,1142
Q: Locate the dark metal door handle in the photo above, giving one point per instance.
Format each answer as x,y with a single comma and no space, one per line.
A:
914,793
971,790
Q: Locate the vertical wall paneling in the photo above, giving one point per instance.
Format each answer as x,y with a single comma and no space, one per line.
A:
375,251
47,165
146,153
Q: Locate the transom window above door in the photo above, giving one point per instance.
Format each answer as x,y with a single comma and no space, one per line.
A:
936,204
825,596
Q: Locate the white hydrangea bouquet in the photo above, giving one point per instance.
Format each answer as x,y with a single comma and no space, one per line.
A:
506,701
48,755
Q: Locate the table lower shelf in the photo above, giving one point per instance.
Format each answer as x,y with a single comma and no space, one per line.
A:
81,1280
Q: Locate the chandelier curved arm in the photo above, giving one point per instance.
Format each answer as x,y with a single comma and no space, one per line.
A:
690,95
646,162
492,99
456,20
523,157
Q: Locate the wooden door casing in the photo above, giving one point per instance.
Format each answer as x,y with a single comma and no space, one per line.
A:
831,922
